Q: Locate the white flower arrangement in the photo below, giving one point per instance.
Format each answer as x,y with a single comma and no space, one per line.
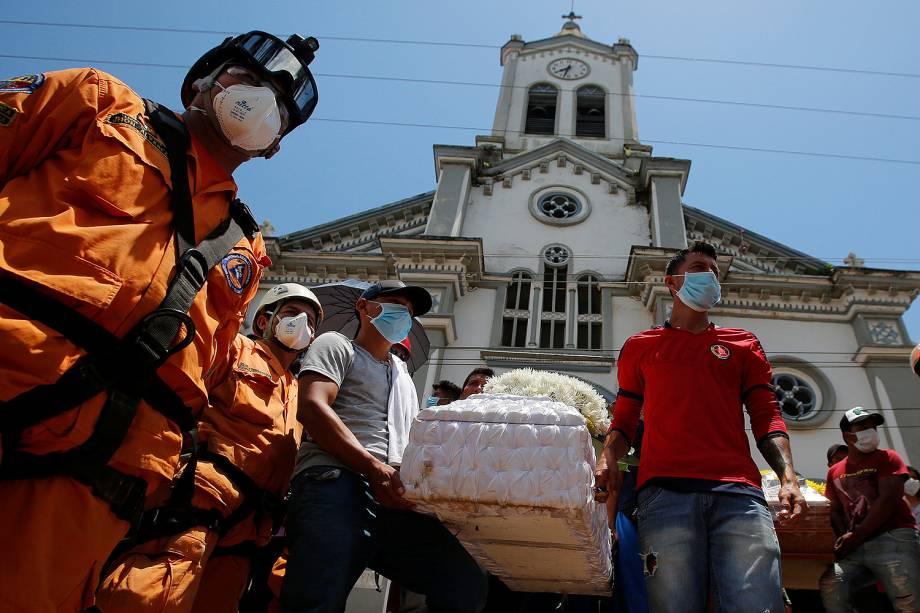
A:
561,388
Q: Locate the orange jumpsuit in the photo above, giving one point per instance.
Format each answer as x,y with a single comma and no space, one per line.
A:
252,421
85,217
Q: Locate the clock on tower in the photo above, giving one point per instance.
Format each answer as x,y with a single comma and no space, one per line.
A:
568,68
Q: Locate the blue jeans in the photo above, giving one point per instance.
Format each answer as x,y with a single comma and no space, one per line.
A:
336,529
700,546
891,557
629,594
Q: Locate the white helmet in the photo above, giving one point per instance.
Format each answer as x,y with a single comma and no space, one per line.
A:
289,291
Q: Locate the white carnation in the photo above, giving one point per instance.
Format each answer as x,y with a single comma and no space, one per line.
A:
561,388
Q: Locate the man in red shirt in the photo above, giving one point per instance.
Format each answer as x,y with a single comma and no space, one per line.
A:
877,532
705,530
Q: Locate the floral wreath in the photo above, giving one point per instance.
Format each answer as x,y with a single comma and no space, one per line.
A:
561,388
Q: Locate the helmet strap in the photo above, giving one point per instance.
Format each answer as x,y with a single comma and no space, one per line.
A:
267,333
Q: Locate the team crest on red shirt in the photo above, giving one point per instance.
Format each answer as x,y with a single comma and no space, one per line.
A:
720,351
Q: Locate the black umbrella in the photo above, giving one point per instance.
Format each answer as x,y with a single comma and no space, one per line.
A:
338,300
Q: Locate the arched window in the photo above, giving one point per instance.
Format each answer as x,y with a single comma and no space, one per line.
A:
589,111
517,311
552,315
590,319
541,109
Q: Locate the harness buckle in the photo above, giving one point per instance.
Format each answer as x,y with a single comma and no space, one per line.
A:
201,262
157,351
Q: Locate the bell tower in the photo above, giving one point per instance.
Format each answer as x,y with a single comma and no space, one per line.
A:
567,86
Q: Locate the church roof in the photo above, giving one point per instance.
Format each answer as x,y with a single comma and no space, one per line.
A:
752,252
359,232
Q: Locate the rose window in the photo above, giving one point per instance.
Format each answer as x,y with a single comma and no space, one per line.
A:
556,255
559,206
796,397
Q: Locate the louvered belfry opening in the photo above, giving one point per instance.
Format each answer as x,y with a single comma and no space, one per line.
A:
589,112
541,109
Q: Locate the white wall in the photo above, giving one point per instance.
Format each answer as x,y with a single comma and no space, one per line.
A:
629,317
473,315
506,226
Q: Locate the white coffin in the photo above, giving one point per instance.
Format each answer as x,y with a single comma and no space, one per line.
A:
512,477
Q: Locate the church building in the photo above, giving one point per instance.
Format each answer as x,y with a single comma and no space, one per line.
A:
544,244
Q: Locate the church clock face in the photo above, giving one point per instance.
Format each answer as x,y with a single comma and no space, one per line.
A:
568,68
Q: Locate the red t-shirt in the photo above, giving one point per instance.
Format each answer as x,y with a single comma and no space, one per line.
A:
691,388
855,486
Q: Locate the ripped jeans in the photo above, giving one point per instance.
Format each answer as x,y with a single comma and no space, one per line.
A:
892,558
701,546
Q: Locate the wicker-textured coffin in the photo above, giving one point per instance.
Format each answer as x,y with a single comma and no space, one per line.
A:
512,477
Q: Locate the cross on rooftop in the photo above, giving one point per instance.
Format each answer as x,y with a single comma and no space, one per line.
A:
571,16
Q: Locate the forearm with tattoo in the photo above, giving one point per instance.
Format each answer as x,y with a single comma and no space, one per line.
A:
778,454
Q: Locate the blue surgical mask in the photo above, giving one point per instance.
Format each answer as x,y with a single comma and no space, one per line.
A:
394,322
432,401
701,291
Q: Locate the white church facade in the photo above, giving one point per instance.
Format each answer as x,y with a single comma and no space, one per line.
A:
544,244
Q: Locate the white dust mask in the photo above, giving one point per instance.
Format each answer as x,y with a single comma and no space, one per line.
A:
294,332
867,440
248,116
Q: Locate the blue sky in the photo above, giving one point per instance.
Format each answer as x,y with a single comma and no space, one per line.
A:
823,206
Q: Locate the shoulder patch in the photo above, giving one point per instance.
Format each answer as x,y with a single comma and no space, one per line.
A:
237,271
7,114
123,119
25,84
720,351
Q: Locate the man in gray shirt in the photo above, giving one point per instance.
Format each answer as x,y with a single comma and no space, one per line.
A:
347,511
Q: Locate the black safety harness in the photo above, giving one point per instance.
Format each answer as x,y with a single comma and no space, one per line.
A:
124,368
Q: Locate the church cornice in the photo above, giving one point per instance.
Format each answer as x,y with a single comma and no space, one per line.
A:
563,153
456,154
621,50
417,259
652,167
458,256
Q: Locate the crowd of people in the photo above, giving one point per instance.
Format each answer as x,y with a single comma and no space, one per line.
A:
154,458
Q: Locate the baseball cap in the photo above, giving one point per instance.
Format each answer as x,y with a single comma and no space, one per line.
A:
418,296
858,414
834,449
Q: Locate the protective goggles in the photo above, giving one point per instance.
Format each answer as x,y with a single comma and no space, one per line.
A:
285,63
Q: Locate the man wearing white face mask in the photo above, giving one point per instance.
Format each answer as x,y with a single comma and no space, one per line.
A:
247,441
705,530
877,533
126,266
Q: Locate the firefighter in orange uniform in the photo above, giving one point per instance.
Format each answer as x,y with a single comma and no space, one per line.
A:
200,560
126,266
